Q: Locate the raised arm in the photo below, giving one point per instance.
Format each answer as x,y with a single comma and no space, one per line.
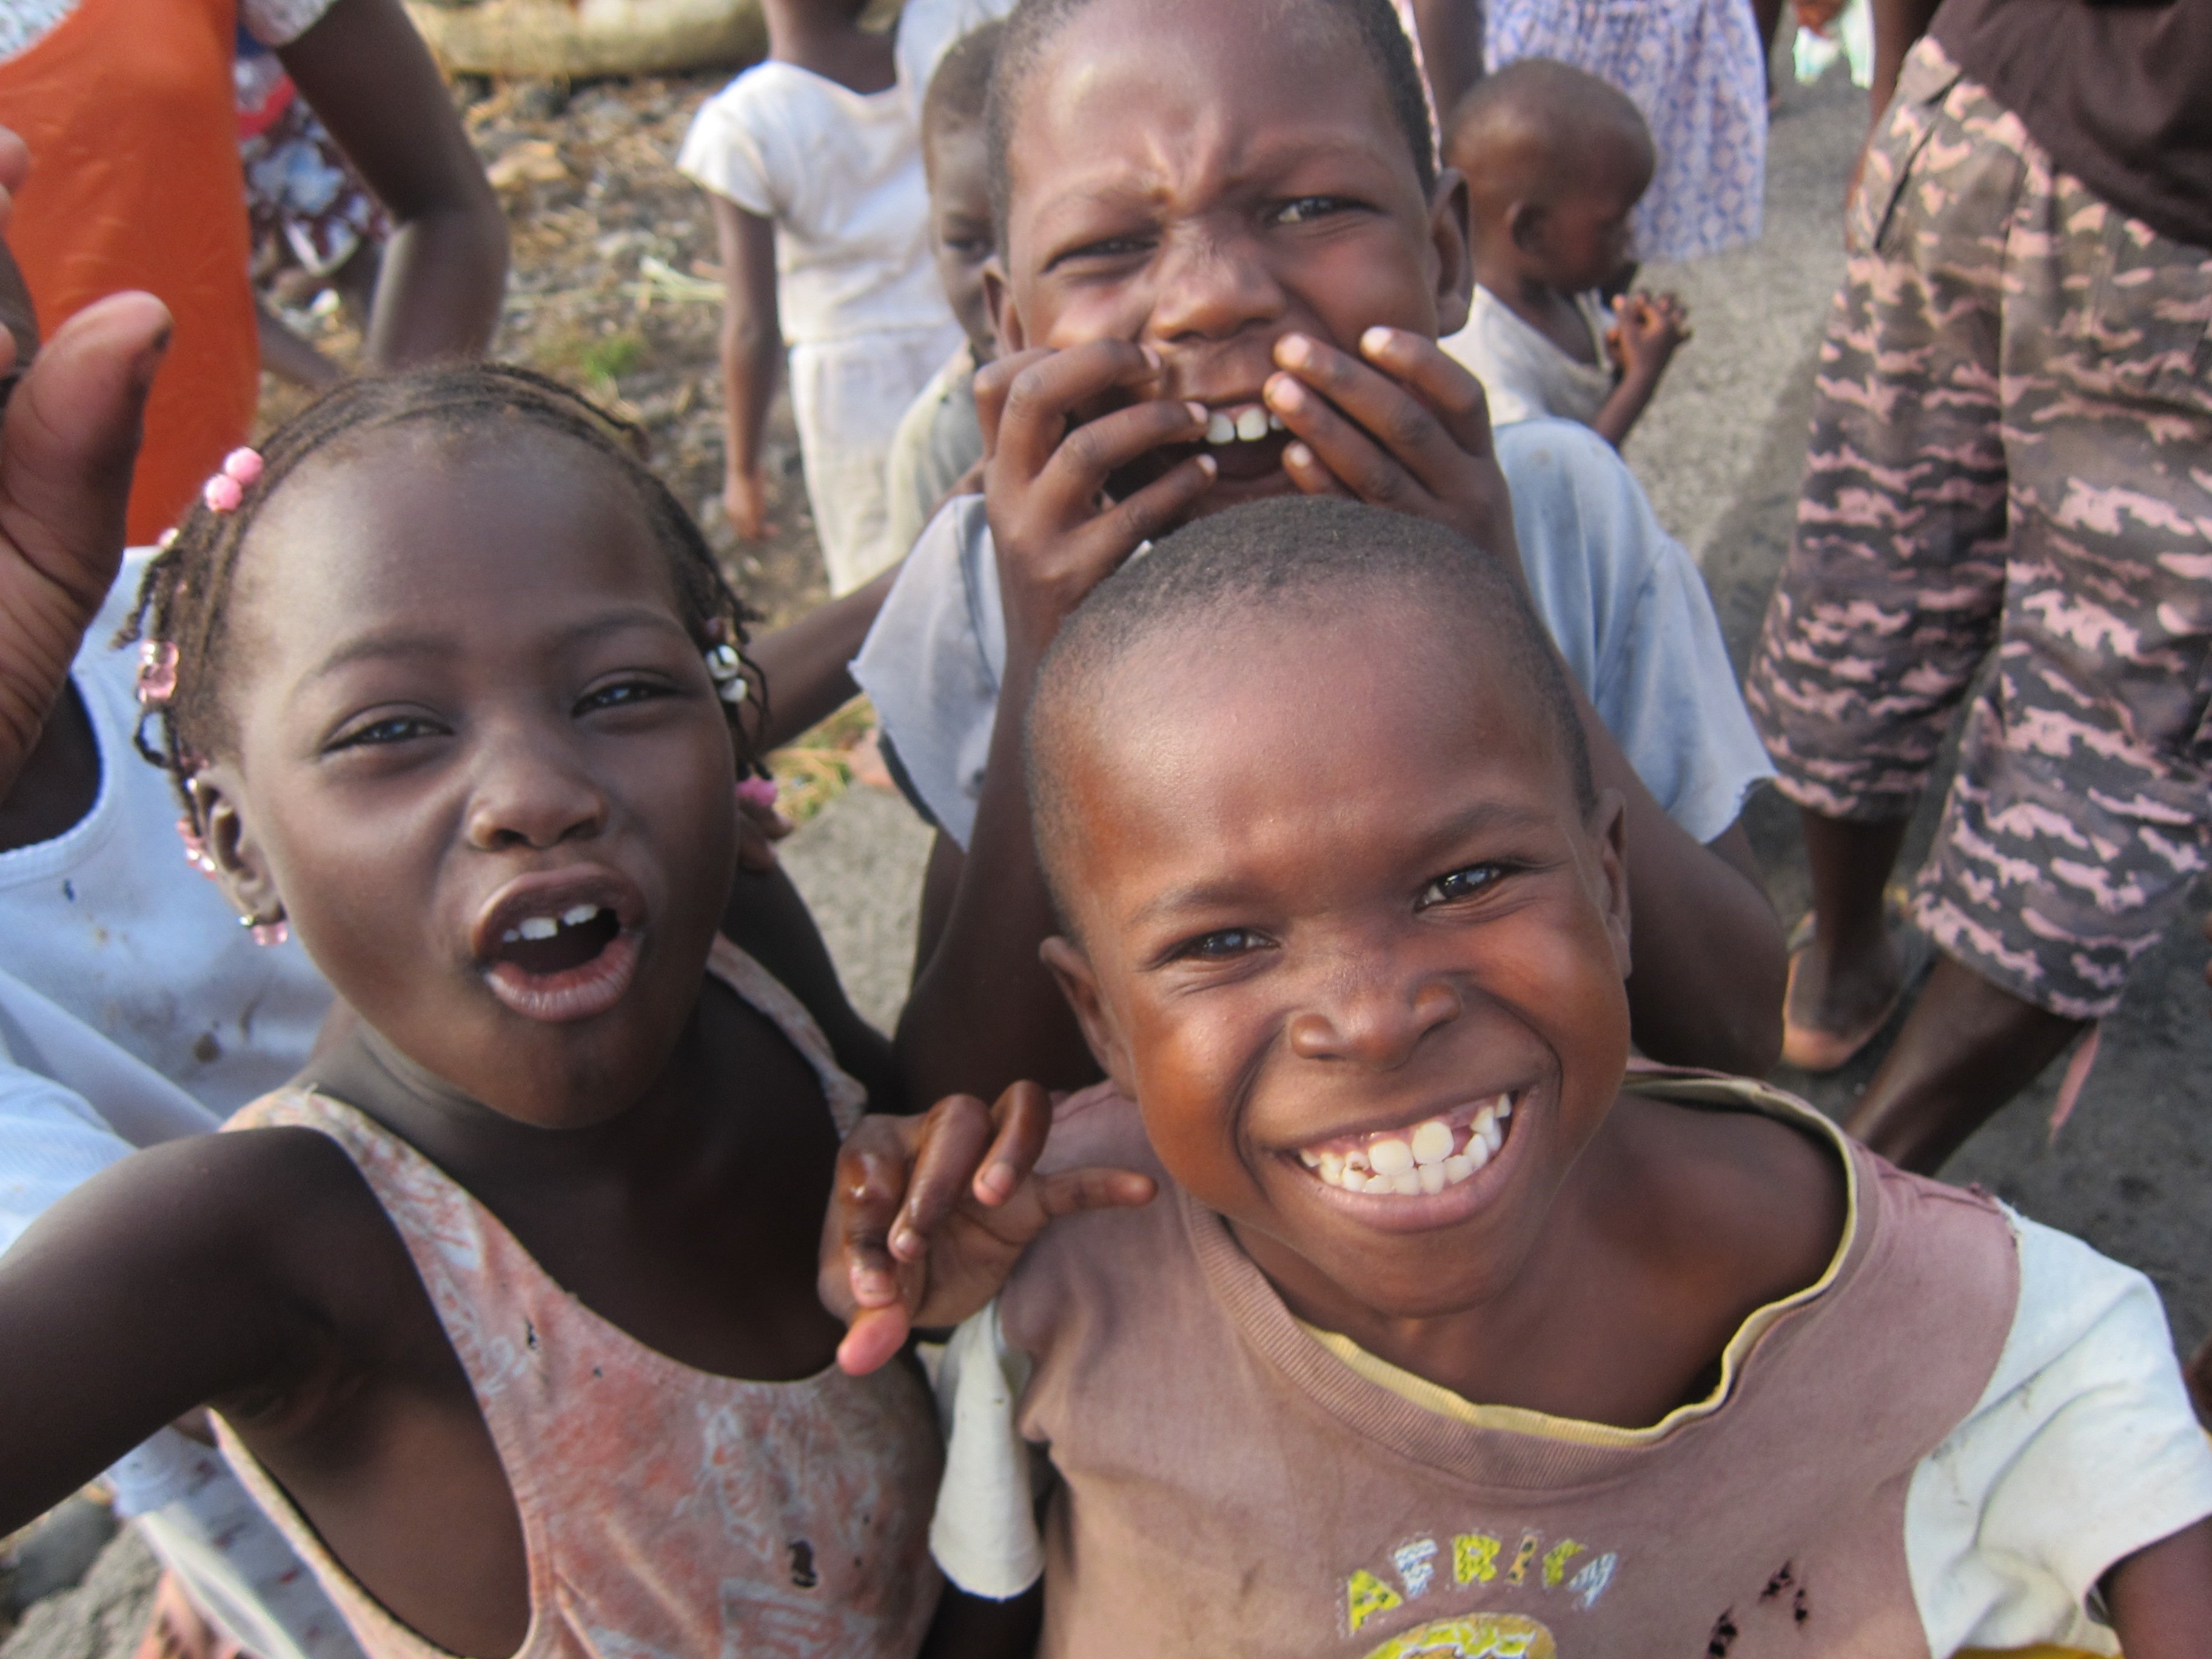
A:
369,78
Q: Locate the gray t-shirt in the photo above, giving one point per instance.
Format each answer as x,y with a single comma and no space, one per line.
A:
1622,598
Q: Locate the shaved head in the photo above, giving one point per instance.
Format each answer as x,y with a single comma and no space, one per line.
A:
1534,130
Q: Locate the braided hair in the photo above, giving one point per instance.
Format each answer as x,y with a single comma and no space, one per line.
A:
183,617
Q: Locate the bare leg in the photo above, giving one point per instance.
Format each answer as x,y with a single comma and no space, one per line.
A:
1967,1048
1850,973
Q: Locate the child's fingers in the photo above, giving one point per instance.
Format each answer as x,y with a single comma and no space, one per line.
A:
1023,1116
953,1139
1092,452
993,382
1161,504
1039,397
1341,445
1073,1190
1445,383
858,1268
873,1340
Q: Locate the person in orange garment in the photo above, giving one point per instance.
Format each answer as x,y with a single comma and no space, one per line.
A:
129,107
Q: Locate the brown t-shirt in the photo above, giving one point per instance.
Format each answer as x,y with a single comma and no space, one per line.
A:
1231,1486
2119,91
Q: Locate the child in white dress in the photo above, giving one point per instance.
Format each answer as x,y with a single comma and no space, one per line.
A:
812,161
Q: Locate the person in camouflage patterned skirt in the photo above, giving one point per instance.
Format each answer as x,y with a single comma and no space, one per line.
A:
2011,450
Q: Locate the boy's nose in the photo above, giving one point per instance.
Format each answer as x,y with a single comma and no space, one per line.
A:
1211,287
525,796
1373,1022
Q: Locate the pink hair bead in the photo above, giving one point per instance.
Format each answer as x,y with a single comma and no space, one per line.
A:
760,792
223,494
243,465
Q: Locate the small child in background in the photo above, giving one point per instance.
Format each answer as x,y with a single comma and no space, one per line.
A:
507,1304
1450,1332
813,165
1555,162
940,441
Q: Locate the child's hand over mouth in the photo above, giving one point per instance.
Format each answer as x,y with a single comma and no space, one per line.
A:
928,1215
1047,471
1407,428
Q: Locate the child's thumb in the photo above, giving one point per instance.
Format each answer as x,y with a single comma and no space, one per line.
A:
69,439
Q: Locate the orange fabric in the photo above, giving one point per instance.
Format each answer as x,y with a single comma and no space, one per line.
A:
135,182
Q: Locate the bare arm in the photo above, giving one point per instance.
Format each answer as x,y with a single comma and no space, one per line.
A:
2161,1597
1451,48
155,1287
366,74
1898,26
752,354
807,664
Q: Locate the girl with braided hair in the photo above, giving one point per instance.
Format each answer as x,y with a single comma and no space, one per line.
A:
506,1305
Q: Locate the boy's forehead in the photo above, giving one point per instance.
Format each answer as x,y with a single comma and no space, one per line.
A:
1241,77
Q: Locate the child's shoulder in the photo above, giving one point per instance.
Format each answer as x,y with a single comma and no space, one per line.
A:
1099,1126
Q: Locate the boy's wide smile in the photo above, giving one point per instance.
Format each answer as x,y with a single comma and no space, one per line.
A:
1443,1149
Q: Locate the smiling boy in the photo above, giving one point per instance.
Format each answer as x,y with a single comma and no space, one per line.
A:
1225,255
1445,1337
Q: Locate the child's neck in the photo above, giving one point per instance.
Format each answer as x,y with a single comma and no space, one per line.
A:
830,45
1551,311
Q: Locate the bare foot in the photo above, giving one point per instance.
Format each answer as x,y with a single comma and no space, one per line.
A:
1839,998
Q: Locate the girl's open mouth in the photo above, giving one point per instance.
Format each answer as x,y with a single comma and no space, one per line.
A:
558,950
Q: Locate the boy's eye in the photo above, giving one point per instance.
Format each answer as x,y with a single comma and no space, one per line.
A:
1461,885
1305,209
1107,247
1222,945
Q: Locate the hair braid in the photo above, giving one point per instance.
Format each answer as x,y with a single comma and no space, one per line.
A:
183,598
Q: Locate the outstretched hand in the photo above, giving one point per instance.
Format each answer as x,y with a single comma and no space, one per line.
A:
929,1215
68,438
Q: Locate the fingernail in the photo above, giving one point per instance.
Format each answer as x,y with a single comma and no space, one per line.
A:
995,1181
1376,340
1199,412
1151,356
1209,466
905,1243
1294,351
1298,455
1285,393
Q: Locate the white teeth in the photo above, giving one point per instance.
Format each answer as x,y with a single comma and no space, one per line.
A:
1458,1168
1492,1136
1357,1159
577,915
1406,1185
1391,1157
1275,422
536,928
1311,1160
1220,428
1331,1168
1252,425
1478,1151
1432,1141
1431,1176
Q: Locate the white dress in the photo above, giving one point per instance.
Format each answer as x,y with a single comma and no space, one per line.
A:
133,1010
840,173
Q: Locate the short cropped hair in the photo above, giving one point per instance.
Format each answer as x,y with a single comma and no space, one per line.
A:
1373,25
1297,552
961,85
1527,128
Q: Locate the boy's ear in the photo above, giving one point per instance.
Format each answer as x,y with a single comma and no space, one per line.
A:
1609,829
1079,985
1450,235
999,305
240,868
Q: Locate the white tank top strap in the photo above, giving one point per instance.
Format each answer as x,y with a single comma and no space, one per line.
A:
846,1098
